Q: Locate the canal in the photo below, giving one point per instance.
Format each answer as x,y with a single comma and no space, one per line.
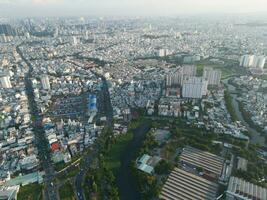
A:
126,182
256,137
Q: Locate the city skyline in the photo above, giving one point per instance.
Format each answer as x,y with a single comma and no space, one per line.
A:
133,100
28,8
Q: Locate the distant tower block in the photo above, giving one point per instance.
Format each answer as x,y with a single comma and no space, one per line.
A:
75,40
5,81
45,82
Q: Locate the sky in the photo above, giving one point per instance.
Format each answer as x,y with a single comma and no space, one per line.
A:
28,8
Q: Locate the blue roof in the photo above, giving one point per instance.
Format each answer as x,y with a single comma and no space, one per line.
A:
92,96
48,126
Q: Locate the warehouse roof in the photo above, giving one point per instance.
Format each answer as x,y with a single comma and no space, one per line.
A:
207,161
182,185
241,188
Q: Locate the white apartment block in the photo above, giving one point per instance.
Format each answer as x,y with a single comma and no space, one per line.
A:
194,87
212,75
45,82
252,61
5,82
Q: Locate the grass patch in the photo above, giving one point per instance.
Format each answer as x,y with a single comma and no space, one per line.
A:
66,192
113,156
229,68
30,192
200,69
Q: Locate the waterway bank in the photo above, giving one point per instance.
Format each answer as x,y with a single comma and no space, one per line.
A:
256,137
126,182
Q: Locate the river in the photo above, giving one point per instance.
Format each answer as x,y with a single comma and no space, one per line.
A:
125,181
256,137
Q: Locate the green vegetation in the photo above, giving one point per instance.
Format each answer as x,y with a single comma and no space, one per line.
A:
100,182
163,167
66,192
112,158
200,69
182,134
134,124
247,117
61,165
148,185
229,105
148,144
228,67
30,192
256,169
71,173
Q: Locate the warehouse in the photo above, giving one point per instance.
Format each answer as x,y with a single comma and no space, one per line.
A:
242,190
182,185
211,164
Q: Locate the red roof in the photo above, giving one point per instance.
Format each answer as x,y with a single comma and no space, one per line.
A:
55,146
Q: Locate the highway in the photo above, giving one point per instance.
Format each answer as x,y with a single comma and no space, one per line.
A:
41,142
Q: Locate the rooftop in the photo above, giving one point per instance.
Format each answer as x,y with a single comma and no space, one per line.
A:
246,190
208,161
182,185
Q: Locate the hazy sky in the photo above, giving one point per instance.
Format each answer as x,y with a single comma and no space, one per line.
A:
127,7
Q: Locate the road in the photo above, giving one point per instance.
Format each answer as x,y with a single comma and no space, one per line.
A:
87,159
126,182
41,142
256,137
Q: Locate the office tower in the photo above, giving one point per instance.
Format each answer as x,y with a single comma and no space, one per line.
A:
194,87
212,75
45,82
5,81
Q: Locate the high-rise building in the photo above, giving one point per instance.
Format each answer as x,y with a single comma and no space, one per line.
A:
194,87
189,70
174,79
5,81
212,75
75,40
252,61
164,52
260,62
45,82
